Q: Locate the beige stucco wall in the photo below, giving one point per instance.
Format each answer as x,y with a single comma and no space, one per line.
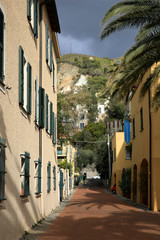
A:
19,130
119,161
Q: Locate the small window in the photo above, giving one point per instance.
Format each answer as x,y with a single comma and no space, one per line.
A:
25,169
100,110
39,104
25,82
48,177
32,14
2,25
2,169
54,178
141,118
37,176
81,125
48,50
128,152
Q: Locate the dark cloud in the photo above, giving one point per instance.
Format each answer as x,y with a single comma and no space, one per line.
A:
80,29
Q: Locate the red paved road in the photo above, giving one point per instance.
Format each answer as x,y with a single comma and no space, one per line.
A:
94,214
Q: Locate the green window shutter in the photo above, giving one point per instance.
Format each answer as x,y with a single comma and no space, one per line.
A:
41,107
50,55
46,43
51,110
39,175
49,176
133,128
29,88
36,102
21,76
26,183
53,78
2,25
29,10
2,174
54,177
46,112
36,18
141,118
53,135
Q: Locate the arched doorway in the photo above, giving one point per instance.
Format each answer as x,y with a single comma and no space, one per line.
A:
144,182
134,185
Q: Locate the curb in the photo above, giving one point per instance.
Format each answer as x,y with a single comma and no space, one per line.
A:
42,225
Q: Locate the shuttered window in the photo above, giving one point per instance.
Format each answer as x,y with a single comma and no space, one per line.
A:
32,15
47,112
48,49
141,118
1,46
2,169
48,177
36,101
25,82
25,169
41,107
37,177
54,178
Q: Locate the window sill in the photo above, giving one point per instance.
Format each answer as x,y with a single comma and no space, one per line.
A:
3,199
141,130
128,158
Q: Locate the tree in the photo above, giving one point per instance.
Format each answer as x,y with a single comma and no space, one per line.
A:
144,14
115,109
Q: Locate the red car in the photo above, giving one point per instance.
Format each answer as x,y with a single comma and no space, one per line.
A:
113,189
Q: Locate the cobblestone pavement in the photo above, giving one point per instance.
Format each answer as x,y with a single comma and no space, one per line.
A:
95,214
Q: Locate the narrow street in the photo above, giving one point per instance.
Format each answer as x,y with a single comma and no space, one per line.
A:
94,214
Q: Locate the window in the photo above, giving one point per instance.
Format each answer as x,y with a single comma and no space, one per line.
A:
39,104
53,78
48,50
25,82
141,118
37,176
100,110
2,25
133,128
25,159
54,177
32,15
49,110
2,169
48,177
128,152
54,128
81,125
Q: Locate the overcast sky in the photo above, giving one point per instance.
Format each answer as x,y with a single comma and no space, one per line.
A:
80,29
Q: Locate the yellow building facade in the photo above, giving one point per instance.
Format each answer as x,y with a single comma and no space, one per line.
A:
145,150
29,188
121,153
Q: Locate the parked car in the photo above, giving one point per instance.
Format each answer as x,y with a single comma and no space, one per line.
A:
96,177
113,189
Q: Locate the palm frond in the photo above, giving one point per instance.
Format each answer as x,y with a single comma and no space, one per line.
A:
156,99
130,20
151,80
127,7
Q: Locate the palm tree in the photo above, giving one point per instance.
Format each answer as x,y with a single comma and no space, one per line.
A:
145,15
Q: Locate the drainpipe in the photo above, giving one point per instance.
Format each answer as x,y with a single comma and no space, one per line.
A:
150,150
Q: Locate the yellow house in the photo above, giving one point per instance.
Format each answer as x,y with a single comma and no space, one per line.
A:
145,150
122,156
28,109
